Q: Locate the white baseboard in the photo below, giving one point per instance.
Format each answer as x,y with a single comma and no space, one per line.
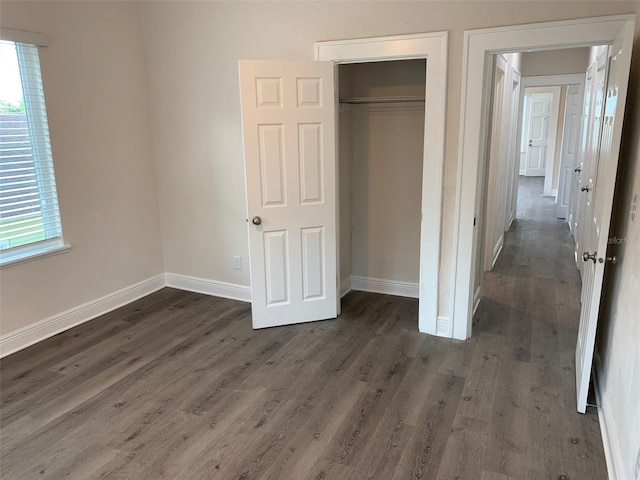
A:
389,287
345,284
36,332
477,296
497,250
615,467
208,287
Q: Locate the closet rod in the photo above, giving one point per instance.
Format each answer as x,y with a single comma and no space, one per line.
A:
391,99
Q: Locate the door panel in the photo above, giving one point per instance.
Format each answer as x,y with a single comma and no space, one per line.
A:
597,231
537,149
570,144
591,155
290,167
575,212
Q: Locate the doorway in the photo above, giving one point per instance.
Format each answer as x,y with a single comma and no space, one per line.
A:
476,110
380,144
431,47
480,45
540,114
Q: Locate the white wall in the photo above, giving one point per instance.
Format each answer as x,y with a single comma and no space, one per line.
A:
95,88
557,155
345,155
387,191
192,52
500,163
386,153
565,61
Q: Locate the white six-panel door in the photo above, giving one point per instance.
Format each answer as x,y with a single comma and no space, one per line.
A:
570,145
290,167
538,132
597,227
587,106
591,155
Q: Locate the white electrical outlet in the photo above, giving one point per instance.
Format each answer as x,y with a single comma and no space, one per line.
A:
237,263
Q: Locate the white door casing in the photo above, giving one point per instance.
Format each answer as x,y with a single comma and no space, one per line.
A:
478,45
290,168
433,47
597,231
537,134
569,149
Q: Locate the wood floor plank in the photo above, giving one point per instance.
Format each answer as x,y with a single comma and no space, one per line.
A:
480,386
434,426
463,455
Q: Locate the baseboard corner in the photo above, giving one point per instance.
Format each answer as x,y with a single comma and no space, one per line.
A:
387,287
58,323
208,287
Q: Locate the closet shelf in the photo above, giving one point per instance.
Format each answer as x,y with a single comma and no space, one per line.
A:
390,99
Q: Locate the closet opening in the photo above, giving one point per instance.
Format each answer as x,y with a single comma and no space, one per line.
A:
380,169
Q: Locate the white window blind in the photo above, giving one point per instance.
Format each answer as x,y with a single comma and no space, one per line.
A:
29,213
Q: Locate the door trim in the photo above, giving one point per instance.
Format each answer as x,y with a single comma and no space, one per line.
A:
478,45
433,47
553,80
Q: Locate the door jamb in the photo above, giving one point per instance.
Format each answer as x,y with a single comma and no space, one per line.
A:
478,44
433,47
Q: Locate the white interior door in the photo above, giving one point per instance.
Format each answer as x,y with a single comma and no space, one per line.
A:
591,155
290,167
512,175
587,106
570,144
493,222
538,134
597,232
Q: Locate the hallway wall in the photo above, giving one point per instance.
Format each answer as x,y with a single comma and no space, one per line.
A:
565,61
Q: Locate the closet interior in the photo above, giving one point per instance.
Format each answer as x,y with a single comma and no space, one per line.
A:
381,141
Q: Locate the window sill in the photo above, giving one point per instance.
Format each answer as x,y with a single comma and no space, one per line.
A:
12,259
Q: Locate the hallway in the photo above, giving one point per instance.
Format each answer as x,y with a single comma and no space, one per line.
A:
532,298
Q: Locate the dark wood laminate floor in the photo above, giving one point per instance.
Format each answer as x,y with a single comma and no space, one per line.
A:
178,385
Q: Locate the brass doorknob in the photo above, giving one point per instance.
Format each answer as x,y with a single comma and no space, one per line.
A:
586,256
256,220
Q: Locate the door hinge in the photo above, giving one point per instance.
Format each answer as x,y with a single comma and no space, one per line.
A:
474,221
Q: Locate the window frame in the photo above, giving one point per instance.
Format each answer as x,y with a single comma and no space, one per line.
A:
50,246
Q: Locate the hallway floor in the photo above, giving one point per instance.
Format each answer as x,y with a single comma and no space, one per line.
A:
532,299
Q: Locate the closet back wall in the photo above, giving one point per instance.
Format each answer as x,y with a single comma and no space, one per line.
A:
386,142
